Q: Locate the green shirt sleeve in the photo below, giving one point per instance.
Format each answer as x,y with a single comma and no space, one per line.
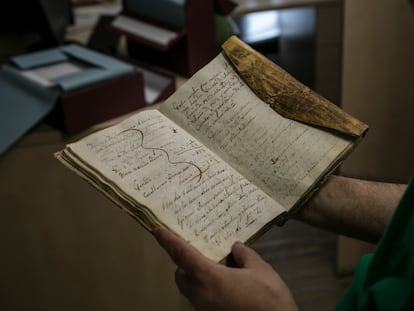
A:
384,281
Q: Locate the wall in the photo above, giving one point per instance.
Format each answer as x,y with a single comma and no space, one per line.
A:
378,88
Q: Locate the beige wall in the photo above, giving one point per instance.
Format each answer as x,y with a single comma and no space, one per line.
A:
378,87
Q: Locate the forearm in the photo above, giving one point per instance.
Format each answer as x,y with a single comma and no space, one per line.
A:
353,207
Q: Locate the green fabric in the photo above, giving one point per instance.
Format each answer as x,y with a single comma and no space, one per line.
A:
385,280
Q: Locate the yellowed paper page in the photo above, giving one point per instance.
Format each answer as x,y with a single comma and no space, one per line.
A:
183,183
281,156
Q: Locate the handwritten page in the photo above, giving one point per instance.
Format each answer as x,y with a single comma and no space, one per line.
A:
281,156
180,181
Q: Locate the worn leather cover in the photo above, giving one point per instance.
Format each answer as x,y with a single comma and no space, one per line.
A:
286,95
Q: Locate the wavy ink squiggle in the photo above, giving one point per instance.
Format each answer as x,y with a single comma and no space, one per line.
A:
200,172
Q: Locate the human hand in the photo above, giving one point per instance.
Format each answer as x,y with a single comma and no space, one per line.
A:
252,285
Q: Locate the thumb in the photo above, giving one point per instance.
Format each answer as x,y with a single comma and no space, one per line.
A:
244,256
181,252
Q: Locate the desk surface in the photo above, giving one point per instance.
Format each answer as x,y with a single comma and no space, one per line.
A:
249,6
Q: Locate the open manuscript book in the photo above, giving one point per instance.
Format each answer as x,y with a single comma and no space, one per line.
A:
238,148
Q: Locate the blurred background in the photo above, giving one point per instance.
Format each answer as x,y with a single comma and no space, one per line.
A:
65,247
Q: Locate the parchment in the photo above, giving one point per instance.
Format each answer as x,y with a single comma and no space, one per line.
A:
282,156
184,184
242,165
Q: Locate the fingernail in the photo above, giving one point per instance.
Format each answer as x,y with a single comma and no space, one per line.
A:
237,244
